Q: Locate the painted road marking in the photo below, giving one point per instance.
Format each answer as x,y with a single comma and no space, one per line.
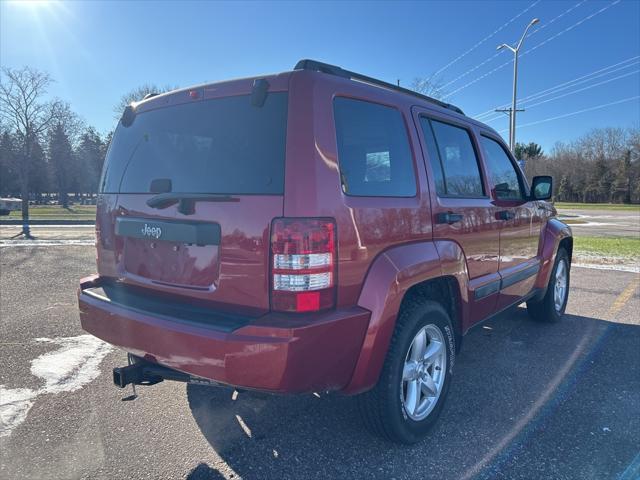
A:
622,299
72,366
617,305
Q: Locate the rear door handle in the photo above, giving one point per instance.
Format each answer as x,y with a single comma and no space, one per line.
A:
505,215
449,217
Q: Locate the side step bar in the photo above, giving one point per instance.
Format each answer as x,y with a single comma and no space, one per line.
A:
142,372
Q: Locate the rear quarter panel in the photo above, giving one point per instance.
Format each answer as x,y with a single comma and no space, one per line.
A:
366,225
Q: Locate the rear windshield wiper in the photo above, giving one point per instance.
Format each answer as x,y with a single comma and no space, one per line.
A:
186,201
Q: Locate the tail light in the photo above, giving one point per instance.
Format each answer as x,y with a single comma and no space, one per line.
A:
303,261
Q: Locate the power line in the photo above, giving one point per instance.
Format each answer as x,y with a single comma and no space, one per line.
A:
553,37
584,110
550,22
473,69
583,89
573,92
459,57
557,88
569,84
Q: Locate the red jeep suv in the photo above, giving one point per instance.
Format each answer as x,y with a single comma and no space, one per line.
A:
315,230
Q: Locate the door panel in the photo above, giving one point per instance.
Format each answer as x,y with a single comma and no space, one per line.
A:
461,208
520,222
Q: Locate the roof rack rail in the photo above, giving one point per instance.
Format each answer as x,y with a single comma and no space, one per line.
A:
314,65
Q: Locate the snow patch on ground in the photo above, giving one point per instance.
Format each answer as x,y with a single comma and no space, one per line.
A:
608,266
14,407
73,365
610,262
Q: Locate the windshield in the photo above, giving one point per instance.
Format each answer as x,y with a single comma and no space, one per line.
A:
224,145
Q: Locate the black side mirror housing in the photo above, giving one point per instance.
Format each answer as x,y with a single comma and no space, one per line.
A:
128,116
541,187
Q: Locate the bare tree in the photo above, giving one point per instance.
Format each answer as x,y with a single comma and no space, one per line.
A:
23,109
430,86
138,94
72,124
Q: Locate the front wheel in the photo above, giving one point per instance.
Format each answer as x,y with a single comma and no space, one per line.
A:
415,378
552,306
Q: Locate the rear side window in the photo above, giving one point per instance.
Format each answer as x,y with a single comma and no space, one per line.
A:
502,171
223,145
373,150
453,159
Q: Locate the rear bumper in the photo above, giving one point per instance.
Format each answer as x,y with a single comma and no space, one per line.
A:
275,352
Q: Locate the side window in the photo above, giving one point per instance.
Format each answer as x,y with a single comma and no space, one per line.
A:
453,160
434,156
373,150
502,171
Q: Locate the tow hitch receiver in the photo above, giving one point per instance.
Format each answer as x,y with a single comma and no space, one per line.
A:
141,372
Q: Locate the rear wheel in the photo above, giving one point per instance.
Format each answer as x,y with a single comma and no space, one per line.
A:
552,306
415,378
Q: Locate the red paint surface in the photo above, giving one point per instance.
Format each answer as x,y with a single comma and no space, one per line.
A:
385,246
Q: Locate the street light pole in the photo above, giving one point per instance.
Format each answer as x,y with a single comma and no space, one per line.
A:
512,111
512,126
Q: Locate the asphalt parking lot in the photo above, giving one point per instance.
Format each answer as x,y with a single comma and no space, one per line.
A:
528,401
603,223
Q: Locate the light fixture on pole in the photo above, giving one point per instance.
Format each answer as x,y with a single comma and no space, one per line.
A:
512,110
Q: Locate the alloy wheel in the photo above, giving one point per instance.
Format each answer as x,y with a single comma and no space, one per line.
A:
424,372
560,285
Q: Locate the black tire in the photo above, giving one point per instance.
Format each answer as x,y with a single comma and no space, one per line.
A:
382,408
544,310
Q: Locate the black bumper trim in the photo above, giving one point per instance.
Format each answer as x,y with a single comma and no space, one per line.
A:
130,298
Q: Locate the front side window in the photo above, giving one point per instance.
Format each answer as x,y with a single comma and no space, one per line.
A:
502,171
453,159
373,150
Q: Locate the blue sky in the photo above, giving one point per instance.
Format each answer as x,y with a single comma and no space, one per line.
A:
96,51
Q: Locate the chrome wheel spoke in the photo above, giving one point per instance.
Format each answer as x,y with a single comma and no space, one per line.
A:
419,345
412,398
429,387
410,371
433,350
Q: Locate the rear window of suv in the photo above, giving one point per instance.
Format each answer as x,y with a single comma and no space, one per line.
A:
223,145
373,150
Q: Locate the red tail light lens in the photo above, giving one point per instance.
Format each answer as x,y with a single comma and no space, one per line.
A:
303,262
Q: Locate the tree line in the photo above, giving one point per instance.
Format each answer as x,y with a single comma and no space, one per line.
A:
45,147
59,162
602,166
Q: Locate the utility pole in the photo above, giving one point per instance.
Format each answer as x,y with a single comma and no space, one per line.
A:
508,111
512,111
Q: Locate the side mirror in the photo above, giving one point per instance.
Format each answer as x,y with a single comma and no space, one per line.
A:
541,187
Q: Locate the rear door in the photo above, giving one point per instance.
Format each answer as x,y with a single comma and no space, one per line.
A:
189,191
520,221
460,205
